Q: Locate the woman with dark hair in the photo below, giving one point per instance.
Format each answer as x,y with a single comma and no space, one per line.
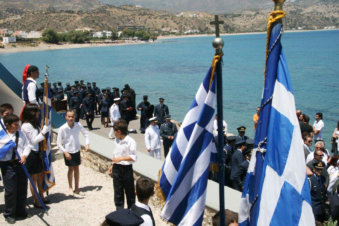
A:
34,162
335,140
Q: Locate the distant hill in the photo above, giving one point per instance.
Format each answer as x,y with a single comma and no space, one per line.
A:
41,14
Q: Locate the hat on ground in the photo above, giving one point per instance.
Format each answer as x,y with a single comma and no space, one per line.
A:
319,165
116,99
153,119
241,129
239,143
161,99
167,116
231,138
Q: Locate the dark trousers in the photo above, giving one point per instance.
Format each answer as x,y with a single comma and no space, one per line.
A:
167,144
89,121
143,123
15,183
123,183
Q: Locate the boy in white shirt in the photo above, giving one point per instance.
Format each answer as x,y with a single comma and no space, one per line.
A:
68,142
124,155
152,139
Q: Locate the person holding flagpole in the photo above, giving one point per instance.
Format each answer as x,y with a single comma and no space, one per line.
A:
14,177
34,136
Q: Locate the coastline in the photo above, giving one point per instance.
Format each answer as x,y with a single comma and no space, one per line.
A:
45,46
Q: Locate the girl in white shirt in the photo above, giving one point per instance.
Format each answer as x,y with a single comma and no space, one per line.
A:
34,162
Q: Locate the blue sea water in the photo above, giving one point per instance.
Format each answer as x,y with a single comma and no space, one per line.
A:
174,69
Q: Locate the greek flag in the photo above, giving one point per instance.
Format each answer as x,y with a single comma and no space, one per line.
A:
185,171
6,143
276,190
49,179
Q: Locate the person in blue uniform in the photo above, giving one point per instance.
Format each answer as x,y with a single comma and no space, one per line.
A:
143,108
168,132
237,159
54,89
229,149
105,104
88,109
160,111
126,109
318,192
60,95
96,92
74,104
241,133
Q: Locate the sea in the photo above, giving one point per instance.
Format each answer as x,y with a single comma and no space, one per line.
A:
174,68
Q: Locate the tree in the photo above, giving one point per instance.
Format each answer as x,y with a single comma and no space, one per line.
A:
128,33
114,36
77,36
50,36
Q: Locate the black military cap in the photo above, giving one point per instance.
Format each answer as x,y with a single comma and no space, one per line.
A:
76,82
103,90
88,83
231,138
81,80
88,93
123,217
241,129
73,86
167,116
239,143
94,83
161,99
319,165
59,83
42,83
145,97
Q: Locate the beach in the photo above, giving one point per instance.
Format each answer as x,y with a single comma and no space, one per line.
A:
42,46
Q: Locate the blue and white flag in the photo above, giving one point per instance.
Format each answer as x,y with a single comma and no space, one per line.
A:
276,190
6,143
49,179
185,171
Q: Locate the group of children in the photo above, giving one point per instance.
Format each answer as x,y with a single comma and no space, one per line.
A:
27,141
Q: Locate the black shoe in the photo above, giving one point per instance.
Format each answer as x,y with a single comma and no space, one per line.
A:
10,220
46,201
36,206
23,216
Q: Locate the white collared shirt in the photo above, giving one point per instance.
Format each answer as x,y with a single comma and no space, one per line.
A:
147,219
23,147
33,135
125,147
318,125
152,137
31,92
114,112
68,138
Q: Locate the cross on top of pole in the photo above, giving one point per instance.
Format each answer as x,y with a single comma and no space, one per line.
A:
216,22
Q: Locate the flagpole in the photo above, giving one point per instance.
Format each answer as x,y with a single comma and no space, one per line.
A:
218,44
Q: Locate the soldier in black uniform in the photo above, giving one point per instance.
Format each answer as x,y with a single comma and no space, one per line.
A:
126,109
143,107
160,111
237,159
168,131
54,89
96,95
100,96
318,192
241,133
87,104
74,104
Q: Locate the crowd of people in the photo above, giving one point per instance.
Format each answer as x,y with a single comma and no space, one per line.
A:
84,101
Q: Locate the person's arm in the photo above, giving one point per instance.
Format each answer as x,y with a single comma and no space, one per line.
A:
31,91
32,134
23,142
60,142
147,140
335,133
86,135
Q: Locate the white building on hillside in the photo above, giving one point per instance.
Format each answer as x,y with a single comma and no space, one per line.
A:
6,40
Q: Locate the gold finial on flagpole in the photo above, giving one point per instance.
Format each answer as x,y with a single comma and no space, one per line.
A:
278,4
